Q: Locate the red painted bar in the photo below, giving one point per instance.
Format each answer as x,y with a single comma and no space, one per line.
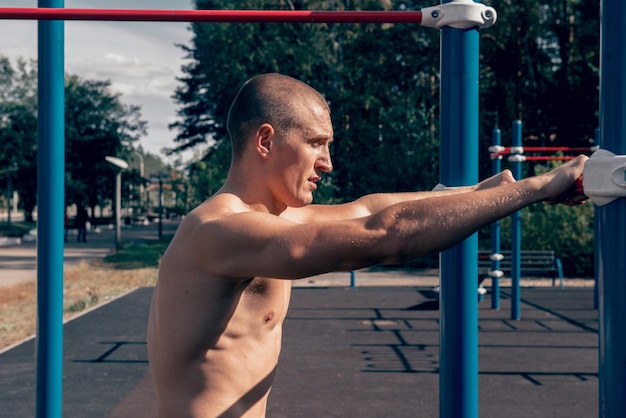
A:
548,158
250,16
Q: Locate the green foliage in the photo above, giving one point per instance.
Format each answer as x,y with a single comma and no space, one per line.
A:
383,74
540,64
17,229
568,231
97,125
18,129
206,176
139,254
382,83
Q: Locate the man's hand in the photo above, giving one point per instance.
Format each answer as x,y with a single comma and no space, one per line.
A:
563,184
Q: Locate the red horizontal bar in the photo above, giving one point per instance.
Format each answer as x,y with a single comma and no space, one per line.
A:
250,16
549,157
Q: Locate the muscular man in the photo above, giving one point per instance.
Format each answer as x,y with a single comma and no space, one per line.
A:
224,283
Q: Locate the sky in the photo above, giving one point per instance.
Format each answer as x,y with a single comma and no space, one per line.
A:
140,59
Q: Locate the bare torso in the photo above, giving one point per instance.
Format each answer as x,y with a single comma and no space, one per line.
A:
213,342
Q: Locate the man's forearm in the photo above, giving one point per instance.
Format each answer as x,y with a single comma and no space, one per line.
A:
418,228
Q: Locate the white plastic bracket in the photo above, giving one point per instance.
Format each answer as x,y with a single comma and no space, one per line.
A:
496,149
459,14
604,177
496,274
517,158
496,257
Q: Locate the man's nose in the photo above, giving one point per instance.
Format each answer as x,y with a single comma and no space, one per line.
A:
325,163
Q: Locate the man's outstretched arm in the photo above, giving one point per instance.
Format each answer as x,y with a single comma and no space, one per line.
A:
370,204
257,244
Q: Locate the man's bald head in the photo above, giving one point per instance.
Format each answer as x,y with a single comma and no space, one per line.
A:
276,99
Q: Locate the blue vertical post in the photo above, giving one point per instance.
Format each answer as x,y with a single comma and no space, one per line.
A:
612,222
50,209
596,234
516,233
458,375
496,166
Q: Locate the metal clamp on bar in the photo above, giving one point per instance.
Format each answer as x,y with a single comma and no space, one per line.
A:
496,257
496,274
459,14
604,177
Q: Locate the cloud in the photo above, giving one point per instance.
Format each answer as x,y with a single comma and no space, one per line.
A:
140,59
129,75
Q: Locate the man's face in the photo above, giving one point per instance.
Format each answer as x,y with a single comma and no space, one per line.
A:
303,154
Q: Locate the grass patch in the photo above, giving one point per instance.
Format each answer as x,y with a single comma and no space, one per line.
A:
84,286
136,255
17,229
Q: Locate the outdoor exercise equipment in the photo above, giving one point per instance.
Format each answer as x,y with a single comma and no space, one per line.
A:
459,98
458,20
516,156
458,14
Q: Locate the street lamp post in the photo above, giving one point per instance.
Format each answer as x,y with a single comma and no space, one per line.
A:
119,165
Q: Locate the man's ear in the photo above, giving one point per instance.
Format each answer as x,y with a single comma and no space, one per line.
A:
264,138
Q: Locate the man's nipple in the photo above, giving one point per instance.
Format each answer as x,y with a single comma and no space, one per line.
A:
268,318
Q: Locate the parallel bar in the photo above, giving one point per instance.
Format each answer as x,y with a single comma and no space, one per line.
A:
516,233
458,382
612,228
50,210
250,16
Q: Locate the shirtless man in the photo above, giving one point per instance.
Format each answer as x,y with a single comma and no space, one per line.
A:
225,281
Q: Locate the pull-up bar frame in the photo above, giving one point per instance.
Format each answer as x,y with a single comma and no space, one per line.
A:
459,102
224,16
459,378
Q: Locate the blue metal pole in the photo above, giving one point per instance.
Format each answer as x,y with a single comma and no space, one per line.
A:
612,217
458,375
516,233
50,209
596,234
495,229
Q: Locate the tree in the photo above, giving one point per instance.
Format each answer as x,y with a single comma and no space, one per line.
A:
537,60
18,128
382,82
97,125
383,110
